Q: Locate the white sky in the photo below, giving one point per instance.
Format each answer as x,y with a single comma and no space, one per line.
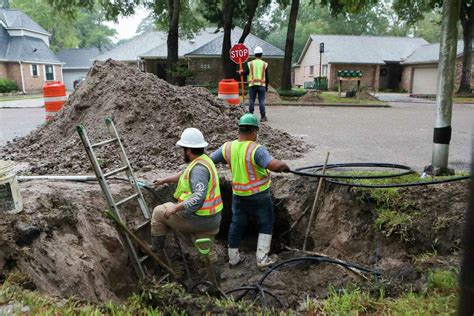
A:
127,26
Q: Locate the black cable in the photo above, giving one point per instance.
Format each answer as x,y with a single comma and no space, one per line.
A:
254,288
301,171
398,185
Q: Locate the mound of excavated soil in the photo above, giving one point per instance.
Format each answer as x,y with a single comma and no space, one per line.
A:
312,96
150,115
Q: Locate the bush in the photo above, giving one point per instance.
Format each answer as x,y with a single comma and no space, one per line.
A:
7,85
294,92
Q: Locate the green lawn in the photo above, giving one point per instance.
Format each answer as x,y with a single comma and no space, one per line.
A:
332,97
463,100
20,97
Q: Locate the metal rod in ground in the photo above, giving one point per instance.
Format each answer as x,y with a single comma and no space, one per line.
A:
313,209
142,245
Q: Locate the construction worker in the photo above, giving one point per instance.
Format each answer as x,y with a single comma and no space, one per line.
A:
250,164
257,77
198,210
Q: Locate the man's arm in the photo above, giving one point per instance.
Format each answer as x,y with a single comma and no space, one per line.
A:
267,80
171,179
217,156
198,180
265,160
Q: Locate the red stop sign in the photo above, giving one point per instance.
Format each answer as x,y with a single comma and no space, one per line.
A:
239,53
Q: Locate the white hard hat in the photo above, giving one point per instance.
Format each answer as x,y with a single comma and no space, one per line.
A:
258,50
192,138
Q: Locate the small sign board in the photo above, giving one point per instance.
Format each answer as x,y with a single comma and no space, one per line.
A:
239,53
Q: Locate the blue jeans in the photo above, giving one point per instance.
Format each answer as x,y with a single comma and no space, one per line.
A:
259,206
253,91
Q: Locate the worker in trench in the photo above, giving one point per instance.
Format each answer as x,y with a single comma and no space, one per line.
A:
250,164
198,210
257,77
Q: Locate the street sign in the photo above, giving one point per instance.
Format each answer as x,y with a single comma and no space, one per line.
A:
239,53
321,48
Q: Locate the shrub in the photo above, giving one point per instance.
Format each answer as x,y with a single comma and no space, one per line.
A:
7,85
294,92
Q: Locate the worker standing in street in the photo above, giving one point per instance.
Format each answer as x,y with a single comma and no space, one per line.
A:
198,211
257,78
250,164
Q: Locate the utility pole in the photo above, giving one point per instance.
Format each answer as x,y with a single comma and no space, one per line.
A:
444,90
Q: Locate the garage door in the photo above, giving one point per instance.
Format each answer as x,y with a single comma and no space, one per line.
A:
424,80
70,75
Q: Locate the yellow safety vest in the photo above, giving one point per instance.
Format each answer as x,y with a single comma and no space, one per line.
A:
213,202
248,177
257,69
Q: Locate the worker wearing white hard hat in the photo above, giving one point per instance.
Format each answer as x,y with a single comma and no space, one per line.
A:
199,203
257,77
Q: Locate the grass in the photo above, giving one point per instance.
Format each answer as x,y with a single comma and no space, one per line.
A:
439,297
332,97
463,100
20,97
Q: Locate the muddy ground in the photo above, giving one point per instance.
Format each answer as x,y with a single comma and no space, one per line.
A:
67,247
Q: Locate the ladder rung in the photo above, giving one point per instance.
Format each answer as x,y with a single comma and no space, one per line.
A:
127,199
111,173
142,259
108,141
139,227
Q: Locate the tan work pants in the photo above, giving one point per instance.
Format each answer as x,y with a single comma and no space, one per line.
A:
161,225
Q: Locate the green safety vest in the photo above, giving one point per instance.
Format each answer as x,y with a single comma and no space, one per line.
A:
257,69
248,178
213,202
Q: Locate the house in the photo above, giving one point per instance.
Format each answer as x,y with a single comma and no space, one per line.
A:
76,63
200,55
421,69
25,55
378,57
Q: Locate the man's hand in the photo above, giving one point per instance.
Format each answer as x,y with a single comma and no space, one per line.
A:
159,182
278,166
170,211
240,71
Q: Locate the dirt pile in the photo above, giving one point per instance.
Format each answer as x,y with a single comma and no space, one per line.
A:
312,96
149,113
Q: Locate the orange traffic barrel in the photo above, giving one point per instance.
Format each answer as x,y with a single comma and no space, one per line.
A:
54,94
229,91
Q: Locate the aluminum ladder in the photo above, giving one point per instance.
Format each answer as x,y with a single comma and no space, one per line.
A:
114,206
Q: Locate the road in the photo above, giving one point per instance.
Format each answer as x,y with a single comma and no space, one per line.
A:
401,134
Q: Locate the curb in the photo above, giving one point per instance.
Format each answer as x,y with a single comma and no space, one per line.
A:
341,105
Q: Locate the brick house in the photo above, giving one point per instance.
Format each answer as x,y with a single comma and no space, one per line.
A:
378,57
201,55
25,55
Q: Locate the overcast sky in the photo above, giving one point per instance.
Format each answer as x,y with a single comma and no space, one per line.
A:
127,26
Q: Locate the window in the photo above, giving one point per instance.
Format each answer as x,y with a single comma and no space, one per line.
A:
311,70
48,72
324,70
205,66
34,71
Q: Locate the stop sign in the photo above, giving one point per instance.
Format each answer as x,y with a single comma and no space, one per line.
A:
239,53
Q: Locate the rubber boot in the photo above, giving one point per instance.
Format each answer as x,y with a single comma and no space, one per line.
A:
263,248
157,243
234,256
264,118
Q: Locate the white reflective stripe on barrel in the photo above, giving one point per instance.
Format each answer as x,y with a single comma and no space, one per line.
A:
55,99
227,96
51,113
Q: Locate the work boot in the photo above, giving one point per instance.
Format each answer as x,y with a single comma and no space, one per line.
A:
264,118
234,256
216,269
263,248
157,243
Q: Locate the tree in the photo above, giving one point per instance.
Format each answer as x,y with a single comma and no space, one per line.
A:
91,30
5,4
290,37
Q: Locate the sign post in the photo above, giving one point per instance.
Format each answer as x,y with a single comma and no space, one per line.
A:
239,53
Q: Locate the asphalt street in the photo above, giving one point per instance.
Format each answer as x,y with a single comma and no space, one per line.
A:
401,134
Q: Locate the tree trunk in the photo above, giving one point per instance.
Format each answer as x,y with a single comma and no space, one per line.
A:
290,38
253,4
445,86
173,40
467,23
228,65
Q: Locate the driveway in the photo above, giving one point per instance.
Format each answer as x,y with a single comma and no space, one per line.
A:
401,134
23,103
401,98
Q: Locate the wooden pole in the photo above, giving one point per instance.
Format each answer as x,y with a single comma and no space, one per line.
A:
242,82
318,191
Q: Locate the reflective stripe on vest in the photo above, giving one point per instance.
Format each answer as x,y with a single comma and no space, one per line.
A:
257,69
248,178
213,202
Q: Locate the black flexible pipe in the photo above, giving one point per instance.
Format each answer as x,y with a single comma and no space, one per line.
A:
301,172
254,288
398,185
